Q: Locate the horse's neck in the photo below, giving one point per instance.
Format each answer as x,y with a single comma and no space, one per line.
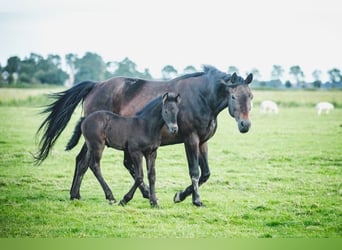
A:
213,98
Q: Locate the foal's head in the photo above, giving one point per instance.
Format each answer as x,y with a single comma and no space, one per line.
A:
239,101
170,110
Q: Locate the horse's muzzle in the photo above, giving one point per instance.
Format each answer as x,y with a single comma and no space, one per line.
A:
244,125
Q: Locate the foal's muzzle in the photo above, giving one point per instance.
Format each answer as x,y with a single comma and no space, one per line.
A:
173,129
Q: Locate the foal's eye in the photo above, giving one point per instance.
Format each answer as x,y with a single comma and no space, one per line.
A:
233,97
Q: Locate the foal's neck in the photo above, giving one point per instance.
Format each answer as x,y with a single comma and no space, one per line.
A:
153,117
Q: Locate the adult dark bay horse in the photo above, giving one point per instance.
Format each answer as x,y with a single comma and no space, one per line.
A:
204,95
138,135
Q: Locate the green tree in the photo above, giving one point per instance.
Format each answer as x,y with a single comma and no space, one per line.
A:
169,72
28,69
71,59
189,69
298,74
316,74
126,68
277,72
90,67
49,70
12,68
335,75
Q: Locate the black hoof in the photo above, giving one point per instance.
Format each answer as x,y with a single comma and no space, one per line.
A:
177,197
198,203
122,203
154,204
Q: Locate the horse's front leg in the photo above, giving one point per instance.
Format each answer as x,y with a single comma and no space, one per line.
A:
130,167
205,173
151,172
192,154
137,160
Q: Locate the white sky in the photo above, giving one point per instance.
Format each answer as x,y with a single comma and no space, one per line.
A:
154,33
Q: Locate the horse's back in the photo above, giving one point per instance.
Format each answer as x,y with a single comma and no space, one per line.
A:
123,95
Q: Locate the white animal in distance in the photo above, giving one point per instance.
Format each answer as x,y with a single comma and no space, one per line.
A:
324,107
269,107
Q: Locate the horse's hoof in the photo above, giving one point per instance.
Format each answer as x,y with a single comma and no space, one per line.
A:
198,203
111,202
154,204
122,203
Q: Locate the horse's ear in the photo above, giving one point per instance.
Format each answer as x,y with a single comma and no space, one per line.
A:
233,78
249,78
165,96
178,98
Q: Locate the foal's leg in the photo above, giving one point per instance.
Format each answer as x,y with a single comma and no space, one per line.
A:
136,159
192,153
151,172
80,169
95,155
130,167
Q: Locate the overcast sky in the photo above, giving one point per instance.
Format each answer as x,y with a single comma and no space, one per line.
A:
153,33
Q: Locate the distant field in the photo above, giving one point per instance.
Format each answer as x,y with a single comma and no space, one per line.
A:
281,179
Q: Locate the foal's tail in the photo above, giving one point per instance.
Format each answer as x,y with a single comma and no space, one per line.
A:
60,112
76,135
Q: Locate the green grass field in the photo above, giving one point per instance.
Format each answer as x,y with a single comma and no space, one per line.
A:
282,179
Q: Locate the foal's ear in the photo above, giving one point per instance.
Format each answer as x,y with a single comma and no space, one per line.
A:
249,78
178,98
165,96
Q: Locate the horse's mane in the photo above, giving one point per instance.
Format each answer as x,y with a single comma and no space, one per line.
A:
207,70
217,75
186,76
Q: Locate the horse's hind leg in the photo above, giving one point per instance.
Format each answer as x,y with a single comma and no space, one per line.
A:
95,158
130,167
80,168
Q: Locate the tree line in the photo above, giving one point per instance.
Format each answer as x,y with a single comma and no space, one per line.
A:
35,69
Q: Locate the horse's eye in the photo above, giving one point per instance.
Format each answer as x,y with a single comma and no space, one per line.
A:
233,97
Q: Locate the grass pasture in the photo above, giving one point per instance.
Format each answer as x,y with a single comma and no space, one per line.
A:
282,179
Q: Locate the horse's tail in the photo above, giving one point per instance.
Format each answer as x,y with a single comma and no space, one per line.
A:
60,112
76,135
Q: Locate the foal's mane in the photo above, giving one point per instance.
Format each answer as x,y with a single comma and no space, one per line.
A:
150,105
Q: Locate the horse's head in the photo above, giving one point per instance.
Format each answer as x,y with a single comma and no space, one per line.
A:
170,110
239,100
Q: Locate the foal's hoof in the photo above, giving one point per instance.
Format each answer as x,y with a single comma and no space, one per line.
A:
177,198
